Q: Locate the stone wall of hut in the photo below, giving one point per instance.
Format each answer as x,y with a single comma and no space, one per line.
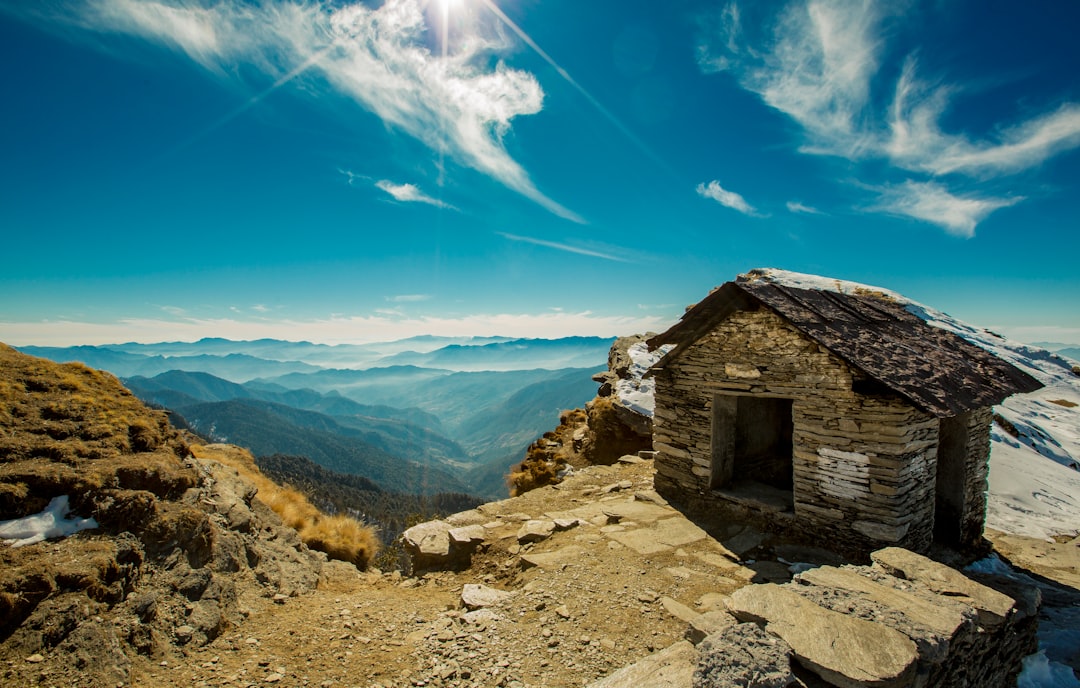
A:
977,475
864,466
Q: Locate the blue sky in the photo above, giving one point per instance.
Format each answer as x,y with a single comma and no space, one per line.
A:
365,171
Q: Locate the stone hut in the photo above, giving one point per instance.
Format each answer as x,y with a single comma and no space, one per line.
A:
838,415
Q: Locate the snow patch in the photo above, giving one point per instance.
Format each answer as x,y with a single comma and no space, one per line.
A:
53,522
1059,634
1040,672
637,392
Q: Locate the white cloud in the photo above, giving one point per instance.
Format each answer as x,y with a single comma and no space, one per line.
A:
569,248
726,198
816,68
409,298
819,67
410,193
330,330
931,202
821,62
460,103
801,208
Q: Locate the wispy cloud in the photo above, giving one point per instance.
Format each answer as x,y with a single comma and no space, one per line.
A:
726,198
802,209
821,62
569,248
461,102
410,193
815,67
931,202
408,298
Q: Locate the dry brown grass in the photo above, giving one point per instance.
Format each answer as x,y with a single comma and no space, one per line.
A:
340,537
610,438
69,429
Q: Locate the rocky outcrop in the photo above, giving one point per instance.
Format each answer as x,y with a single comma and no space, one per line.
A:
624,382
743,655
906,621
180,541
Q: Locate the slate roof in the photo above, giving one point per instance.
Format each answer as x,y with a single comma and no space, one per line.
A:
936,370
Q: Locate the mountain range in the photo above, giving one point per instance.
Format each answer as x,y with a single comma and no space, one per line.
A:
424,415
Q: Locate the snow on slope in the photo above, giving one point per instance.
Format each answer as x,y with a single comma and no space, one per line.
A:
1034,476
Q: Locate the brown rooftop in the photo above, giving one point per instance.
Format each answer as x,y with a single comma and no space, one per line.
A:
936,370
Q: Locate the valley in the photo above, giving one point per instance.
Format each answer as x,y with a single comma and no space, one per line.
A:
423,416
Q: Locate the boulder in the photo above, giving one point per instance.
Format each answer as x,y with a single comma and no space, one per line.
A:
845,651
743,655
439,545
428,544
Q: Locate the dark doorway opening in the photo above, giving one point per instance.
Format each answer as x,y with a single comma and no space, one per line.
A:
752,441
950,483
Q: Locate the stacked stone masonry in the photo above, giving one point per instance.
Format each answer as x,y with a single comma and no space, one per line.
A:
863,465
906,621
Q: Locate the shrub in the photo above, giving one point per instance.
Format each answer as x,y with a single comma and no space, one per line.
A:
340,537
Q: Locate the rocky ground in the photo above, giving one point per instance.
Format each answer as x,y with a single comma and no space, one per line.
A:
615,586
583,602
192,581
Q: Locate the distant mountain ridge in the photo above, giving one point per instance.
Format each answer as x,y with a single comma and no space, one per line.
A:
425,414
242,361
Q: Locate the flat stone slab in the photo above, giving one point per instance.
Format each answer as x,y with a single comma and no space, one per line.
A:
641,540
678,531
672,667
662,536
475,596
679,610
943,617
639,511
992,606
466,518
719,561
554,559
846,651
747,539
468,535
535,530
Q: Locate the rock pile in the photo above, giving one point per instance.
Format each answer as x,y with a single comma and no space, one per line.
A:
905,622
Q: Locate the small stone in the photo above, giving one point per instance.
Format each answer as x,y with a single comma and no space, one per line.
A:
274,677
566,523
535,530
280,599
475,596
562,611
35,658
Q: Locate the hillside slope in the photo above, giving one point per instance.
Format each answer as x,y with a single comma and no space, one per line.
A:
266,428
171,548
